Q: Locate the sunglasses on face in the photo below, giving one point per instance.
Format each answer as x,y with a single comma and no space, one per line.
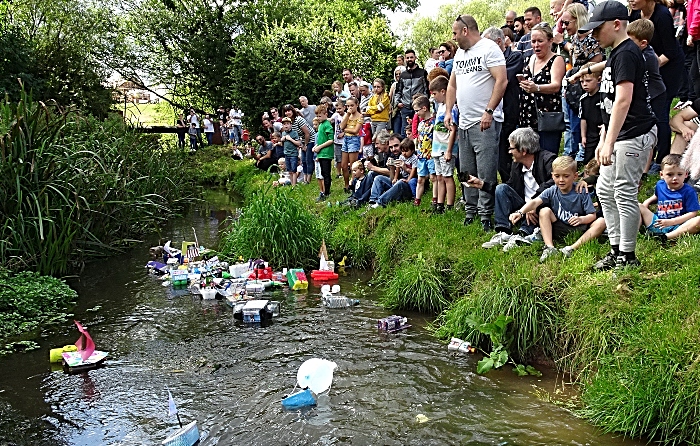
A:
567,22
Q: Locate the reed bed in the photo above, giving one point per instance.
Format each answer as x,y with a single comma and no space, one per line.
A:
74,187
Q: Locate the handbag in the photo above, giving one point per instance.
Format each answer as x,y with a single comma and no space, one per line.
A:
549,121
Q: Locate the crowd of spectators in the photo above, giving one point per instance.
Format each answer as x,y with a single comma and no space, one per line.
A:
498,103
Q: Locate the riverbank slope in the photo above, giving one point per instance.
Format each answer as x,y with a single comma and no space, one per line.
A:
628,339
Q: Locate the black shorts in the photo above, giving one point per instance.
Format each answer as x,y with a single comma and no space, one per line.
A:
561,229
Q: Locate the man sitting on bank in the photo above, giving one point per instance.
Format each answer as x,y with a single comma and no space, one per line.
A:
530,174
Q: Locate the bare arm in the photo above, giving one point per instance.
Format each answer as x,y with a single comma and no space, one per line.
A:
450,99
623,99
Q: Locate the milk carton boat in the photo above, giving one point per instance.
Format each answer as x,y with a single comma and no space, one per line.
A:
256,311
85,357
187,435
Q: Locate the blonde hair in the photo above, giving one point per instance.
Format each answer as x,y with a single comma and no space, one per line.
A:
545,29
641,29
578,12
564,163
358,165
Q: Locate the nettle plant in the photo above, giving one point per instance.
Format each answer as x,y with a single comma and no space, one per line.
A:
499,356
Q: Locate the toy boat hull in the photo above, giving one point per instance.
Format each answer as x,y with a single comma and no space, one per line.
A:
323,275
303,398
73,363
185,436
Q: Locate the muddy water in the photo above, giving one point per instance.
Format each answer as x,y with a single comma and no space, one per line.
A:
231,377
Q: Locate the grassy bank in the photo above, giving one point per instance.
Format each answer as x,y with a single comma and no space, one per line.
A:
629,340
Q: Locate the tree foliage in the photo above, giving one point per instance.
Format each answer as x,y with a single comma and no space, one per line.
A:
55,46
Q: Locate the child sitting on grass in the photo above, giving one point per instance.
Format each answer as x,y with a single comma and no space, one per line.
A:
285,178
677,204
361,185
563,209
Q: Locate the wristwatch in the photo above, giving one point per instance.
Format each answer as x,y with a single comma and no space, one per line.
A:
489,111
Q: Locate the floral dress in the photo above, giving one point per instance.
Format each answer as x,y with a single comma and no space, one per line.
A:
545,102
584,49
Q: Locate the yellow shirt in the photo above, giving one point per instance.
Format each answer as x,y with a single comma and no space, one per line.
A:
378,108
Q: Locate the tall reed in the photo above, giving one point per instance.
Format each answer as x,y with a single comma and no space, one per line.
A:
74,187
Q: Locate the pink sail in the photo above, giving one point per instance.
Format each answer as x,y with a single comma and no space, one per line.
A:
84,343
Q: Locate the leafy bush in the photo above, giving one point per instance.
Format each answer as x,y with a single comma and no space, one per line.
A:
28,300
277,227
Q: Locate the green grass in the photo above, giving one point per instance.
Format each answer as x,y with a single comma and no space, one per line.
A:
147,115
629,340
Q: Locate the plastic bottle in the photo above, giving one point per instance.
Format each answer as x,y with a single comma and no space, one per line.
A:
339,301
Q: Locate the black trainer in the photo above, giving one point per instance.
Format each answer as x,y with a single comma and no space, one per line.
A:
486,225
468,220
623,262
606,263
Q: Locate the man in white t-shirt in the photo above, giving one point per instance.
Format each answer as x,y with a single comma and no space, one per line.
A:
477,84
235,116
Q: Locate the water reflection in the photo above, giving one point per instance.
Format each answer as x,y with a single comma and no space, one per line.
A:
230,377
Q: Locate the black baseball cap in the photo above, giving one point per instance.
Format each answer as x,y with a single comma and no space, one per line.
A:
605,12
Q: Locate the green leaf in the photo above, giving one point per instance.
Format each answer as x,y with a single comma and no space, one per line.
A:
520,370
500,358
484,366
533,371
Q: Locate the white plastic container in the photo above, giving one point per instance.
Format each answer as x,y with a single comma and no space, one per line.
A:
239,270
208,293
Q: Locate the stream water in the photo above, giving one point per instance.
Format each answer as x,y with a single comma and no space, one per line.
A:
231,377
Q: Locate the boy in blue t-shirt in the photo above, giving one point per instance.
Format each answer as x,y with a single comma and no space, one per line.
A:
676,203
445,147
563,209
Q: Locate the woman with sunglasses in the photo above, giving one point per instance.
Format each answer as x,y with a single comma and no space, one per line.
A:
671,61
582,48
447,54
541,85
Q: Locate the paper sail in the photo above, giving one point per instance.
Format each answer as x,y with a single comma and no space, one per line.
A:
323,265
172,408
316,374
84,343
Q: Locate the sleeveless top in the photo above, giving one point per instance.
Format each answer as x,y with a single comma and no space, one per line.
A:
545,102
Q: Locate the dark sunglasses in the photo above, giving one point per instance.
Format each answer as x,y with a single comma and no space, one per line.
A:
460,19
566,22
441,51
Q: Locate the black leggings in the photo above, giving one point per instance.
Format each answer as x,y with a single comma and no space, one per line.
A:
326,173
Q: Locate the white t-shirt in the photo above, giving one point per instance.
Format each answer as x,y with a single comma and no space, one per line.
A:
194,118
208,126
530,183
430,64
475,82
236,115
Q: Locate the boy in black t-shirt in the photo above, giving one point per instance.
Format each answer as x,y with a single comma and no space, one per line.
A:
590,112
629,132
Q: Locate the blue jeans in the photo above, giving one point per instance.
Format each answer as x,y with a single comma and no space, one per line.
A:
406,112
307,159
210,138
507,202
383,191
572,137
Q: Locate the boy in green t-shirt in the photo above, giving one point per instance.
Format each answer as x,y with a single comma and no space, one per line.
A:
324,149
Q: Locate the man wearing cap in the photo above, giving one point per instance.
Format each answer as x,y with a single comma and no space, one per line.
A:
628,136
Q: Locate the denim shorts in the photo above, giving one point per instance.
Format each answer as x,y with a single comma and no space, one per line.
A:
351,144
426,167
654,230
291,163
